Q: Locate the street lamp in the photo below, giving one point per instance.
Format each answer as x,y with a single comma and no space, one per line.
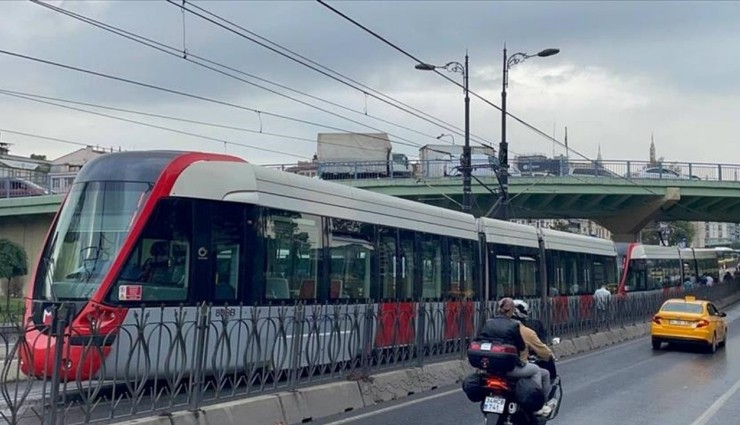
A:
465,157
447,135
503,152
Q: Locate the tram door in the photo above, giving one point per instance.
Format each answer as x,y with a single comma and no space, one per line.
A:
219,254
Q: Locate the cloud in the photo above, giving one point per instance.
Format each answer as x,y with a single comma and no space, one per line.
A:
625,70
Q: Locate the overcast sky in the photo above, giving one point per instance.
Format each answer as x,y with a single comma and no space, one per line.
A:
625,70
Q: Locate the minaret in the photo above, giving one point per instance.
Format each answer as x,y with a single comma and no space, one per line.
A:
652,150
599,159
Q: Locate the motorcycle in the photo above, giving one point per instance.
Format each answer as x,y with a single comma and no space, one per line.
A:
500,406
499,403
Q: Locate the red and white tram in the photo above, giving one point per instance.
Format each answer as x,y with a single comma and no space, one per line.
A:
150,236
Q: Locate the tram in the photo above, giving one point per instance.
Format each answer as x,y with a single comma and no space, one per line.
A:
151,236
649,268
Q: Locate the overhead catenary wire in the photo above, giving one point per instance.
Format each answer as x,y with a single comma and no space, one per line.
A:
210,65
317,67
49,100
473,93
49,138
516,118
183,93
159,127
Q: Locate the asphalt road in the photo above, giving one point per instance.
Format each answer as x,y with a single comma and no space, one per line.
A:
624,384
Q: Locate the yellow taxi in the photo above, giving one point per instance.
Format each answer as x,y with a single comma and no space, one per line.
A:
688,320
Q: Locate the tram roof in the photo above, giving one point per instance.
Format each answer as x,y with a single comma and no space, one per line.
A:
507,233
564,241
249,183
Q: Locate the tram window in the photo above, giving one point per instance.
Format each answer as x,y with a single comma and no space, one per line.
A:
431,267
352,258
505,276
457,270
226,240
158,268
293,250
388,265
528,276
571,273
468,261
406,268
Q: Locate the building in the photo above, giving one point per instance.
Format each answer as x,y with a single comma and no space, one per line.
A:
65,168
578,226
711,234
34,169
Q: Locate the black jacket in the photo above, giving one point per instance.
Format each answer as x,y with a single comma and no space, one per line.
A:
503,330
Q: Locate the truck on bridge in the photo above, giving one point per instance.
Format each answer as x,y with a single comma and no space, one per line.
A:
359,155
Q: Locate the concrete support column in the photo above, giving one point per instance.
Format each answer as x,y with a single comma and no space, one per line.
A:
626,227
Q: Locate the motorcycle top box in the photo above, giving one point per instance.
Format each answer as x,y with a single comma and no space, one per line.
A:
493,357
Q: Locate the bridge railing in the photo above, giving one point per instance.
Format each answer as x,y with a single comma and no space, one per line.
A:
577,169
173,358
23,183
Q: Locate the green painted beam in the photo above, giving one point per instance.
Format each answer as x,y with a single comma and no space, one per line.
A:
30,205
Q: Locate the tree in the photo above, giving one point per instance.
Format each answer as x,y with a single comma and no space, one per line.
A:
672,234
13,264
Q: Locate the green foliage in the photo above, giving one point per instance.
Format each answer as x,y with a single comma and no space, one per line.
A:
13,260
13,263
671,233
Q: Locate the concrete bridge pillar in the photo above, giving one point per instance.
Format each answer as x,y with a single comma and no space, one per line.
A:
626,226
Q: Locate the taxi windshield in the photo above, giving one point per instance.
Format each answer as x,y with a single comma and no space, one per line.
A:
682,307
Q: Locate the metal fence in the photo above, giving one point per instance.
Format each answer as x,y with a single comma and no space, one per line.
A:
576,169
174,358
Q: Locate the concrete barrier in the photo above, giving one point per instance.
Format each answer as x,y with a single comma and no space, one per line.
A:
582,344
329,399
265,409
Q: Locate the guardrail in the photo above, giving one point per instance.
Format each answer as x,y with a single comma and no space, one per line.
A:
175,358
430,169
16,184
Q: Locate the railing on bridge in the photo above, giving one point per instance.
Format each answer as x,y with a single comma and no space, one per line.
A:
577,169
24,184
164,362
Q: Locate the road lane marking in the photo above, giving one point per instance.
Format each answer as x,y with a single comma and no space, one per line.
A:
714,408
391,408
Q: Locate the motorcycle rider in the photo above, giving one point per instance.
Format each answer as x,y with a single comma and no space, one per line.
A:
545,357
503,328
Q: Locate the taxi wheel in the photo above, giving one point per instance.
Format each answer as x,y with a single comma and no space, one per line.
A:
712,347
724,341
656,344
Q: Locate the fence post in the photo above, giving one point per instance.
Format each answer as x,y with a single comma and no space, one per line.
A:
200,347
298,321
719,172
629,171
60,323
421,331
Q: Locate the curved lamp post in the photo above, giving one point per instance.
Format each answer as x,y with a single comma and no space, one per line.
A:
503,152
465,157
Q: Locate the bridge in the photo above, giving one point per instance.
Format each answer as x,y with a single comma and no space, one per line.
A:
622,196
622,206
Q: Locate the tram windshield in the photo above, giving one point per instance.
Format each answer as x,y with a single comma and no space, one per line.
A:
92,227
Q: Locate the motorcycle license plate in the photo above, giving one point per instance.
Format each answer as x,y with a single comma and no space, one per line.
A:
494,404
